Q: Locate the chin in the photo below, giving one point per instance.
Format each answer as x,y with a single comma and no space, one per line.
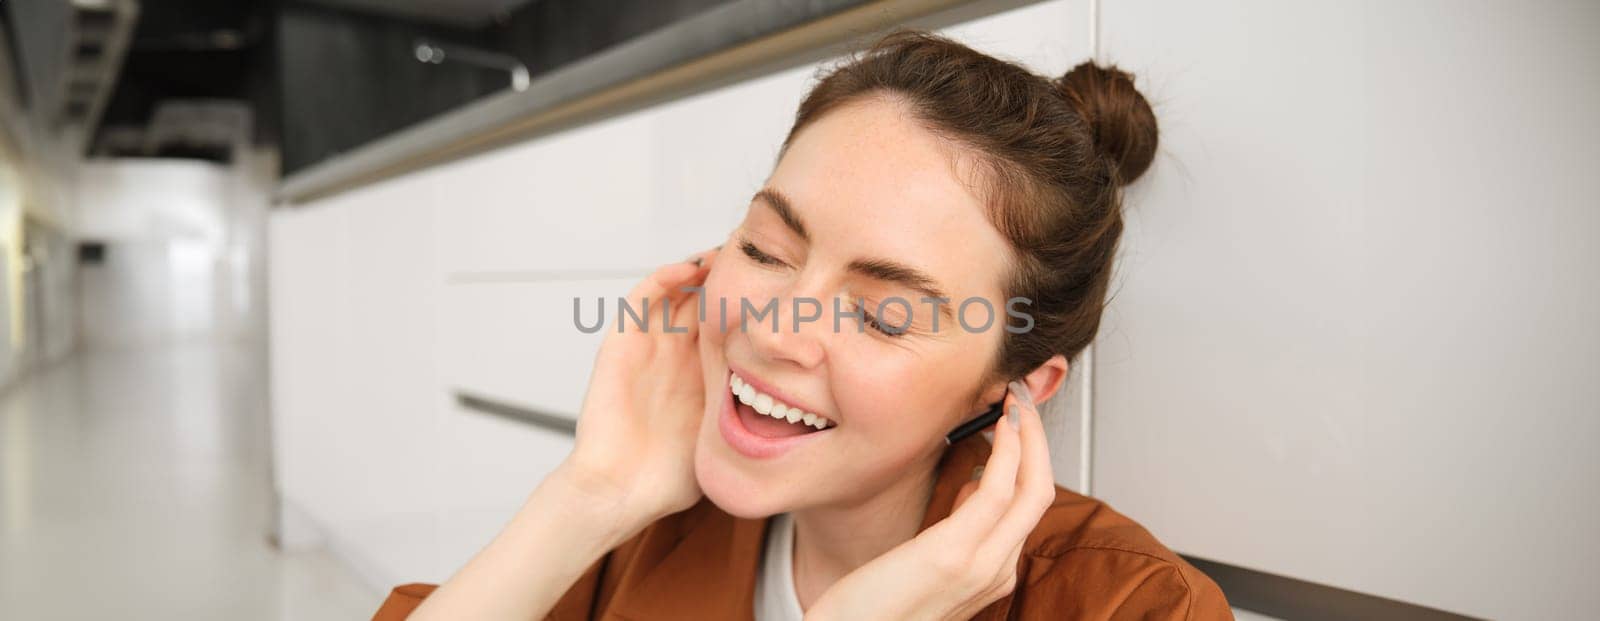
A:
742,486
735,492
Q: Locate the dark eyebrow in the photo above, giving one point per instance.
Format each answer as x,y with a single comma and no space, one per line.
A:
780,203
890,271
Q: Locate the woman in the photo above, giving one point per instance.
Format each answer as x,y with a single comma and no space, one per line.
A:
731,469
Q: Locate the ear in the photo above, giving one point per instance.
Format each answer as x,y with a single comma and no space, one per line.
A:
1047,378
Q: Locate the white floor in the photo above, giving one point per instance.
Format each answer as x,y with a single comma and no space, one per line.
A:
137,485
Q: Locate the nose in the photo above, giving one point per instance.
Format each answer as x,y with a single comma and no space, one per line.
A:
798,339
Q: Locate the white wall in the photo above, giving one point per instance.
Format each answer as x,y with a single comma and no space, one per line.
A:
151,199
36,263
1349,342
183,243
10,285
37,295
1357,334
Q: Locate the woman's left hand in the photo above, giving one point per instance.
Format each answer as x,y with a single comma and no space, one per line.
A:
967,561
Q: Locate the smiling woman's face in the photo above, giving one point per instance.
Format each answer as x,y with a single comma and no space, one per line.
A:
870,198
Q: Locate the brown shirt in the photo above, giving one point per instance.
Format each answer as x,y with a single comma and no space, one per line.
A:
1083,561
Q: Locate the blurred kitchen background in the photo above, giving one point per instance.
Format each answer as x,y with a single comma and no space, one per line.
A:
286,284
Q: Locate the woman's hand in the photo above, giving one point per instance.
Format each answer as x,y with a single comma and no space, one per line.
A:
634,454
633,461
965,562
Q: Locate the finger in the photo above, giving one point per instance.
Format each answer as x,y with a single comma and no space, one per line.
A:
661,282
1035,472
1035,488
662,288
688,287
696,293
685,315
995,488
706,257
964,493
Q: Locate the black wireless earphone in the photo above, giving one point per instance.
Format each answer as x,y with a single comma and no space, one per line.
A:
975,425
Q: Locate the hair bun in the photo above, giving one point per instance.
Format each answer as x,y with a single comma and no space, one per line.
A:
1122,122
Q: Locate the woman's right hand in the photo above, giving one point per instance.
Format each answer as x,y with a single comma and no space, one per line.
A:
634,454
633,462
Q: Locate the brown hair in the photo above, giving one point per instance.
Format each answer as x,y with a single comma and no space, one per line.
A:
1053,155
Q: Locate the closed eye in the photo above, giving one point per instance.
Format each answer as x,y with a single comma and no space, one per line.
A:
755,254
893,331
886,328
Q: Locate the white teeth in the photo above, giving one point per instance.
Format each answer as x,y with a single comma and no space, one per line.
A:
766,405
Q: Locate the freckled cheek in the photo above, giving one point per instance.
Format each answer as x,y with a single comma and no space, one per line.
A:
897,405
872,397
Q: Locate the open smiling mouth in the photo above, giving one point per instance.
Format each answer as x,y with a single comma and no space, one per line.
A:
766,416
